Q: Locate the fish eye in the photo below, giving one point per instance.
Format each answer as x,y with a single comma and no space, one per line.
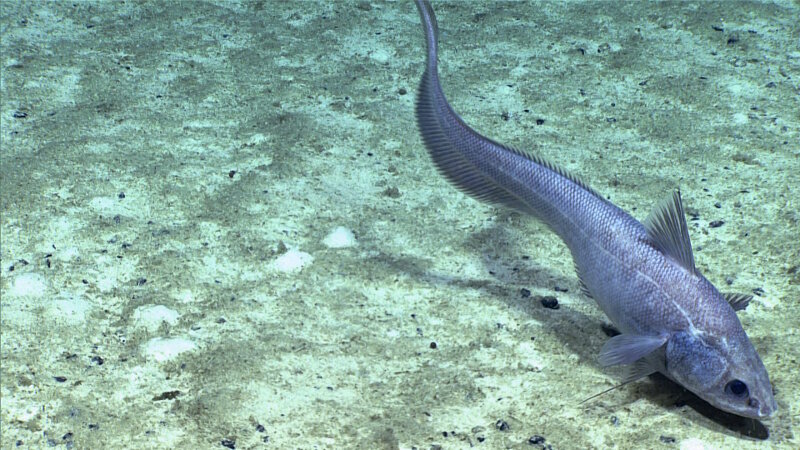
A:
737,388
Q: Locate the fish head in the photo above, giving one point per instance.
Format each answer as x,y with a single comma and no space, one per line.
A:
726,372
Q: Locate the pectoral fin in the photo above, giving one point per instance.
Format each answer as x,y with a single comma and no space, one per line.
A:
638,370
629,348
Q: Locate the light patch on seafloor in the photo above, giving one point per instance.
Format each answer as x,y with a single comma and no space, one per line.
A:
185,296
692,444
740,118
29,285
68,254
292,261
152,316
381,55
531,356
256,139
68,310
164,349
112,206
340,237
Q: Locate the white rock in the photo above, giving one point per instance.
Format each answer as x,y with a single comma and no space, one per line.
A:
151,316
29,285
164,349
293,261
692,444
340,237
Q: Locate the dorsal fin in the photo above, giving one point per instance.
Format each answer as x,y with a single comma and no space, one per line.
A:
738,301
666,226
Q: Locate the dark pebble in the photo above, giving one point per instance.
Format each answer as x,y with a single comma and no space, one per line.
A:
168,395
228,443
502,425
525,293
433,345
667,439
391,192
98,360
716,223
60,379
549,302
536,439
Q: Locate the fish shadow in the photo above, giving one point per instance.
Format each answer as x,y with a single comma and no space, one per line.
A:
569,325
668,394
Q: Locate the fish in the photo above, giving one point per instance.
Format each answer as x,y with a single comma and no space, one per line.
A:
642,275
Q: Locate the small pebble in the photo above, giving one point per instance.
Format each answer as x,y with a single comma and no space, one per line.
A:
536,439
549,302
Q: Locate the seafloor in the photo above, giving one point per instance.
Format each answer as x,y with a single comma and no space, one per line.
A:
171,170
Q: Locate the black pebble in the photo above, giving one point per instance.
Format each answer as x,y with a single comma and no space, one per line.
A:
502,425
536,439
549,302
228,443
433,345
524,293
60,379
667,439
716,223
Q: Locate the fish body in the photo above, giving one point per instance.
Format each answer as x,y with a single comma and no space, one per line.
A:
642,275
